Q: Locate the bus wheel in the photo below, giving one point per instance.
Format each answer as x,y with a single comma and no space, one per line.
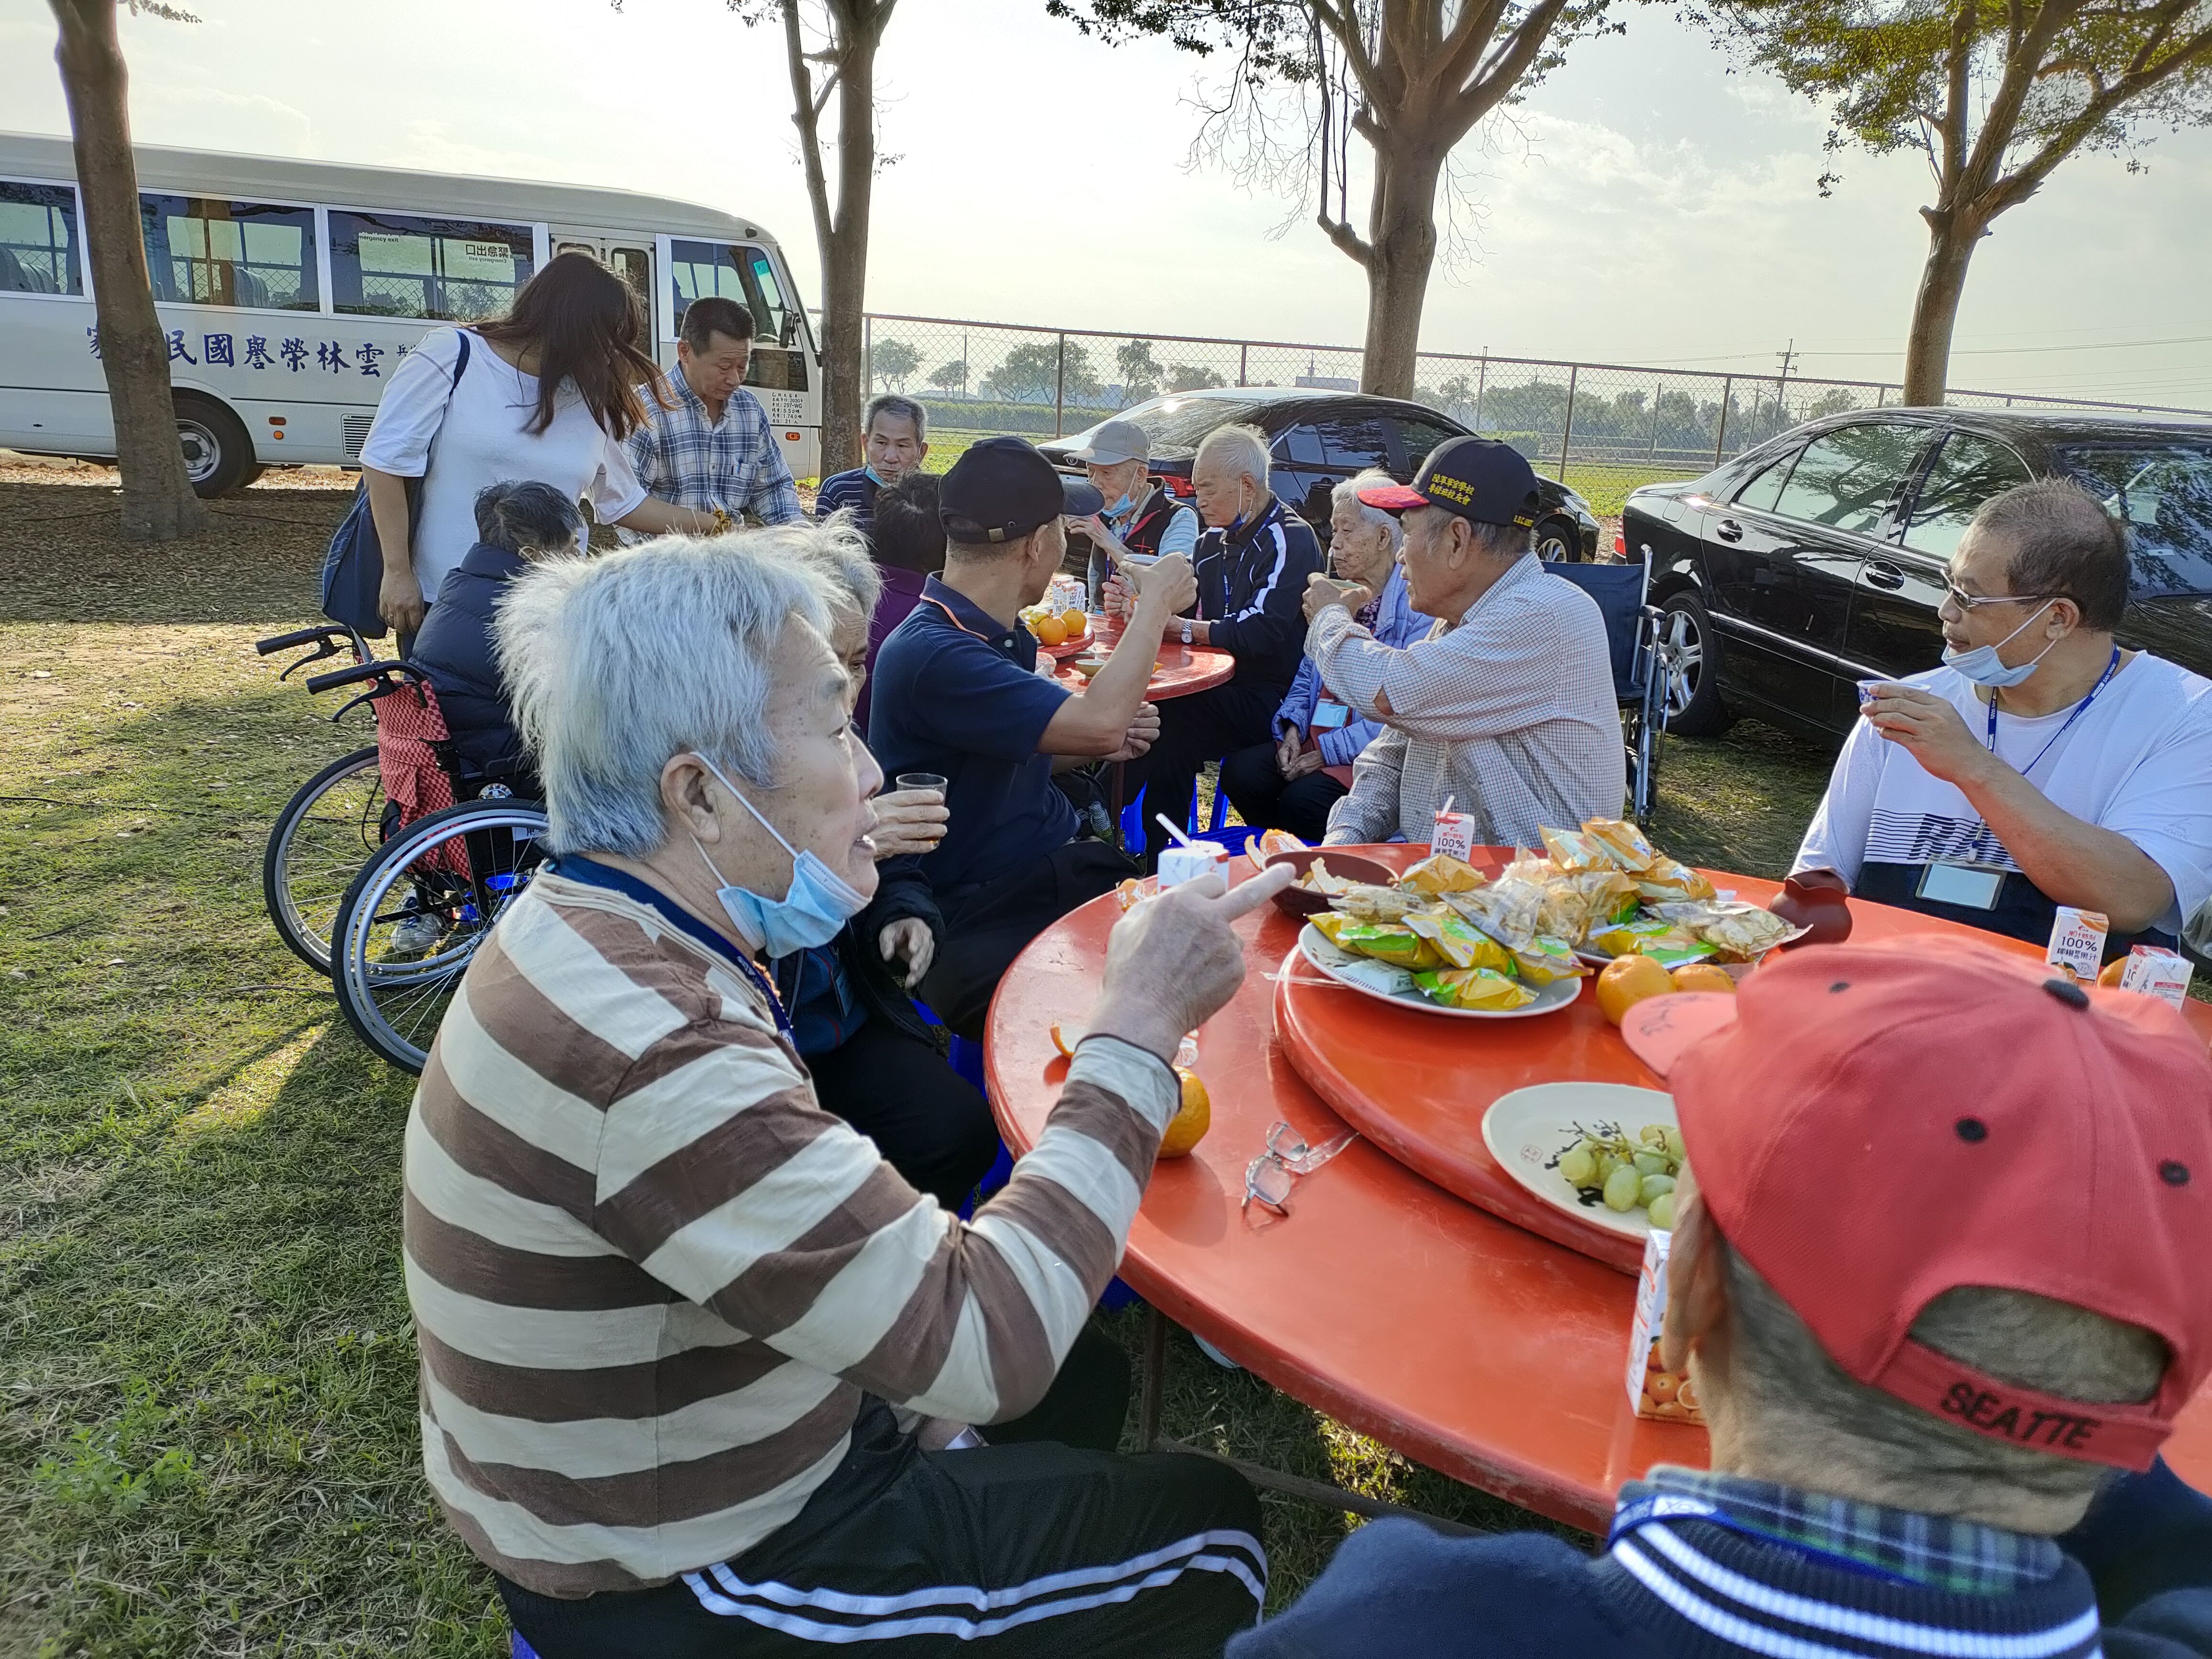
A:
218,455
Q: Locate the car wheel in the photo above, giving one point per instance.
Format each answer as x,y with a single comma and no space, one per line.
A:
218,455
1690,661
1559,539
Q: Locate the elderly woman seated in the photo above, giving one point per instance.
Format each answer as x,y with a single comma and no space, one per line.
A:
1291,783
691,1347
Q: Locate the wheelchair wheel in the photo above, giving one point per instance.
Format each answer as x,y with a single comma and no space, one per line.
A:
414,916
327,831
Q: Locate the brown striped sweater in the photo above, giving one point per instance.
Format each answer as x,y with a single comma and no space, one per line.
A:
652,1278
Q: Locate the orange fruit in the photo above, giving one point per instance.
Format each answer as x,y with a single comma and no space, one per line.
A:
1050,630
1704,976
1273,841
1065,1037
1626,981
1192,1119
2113,970
1075,623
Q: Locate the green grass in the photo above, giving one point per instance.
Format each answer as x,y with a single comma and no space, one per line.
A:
1605,485
208,1437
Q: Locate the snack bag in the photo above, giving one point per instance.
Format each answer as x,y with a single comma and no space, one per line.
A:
1740,935
2157,972
1391,942
1459,941
1624,938
2077,941
1473,987
1548,959
1370,902
1573,851
1440,872
1662,941
1624,841
1592,899
1507,910
1665,880
1653,1391
1331,924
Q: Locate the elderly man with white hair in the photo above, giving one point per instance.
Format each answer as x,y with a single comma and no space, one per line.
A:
1252,566
1291,783
693,1354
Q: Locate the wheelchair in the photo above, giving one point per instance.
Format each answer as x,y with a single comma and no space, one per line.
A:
1641,666
333,822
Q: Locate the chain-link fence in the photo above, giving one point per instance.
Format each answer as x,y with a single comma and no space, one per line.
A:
977,379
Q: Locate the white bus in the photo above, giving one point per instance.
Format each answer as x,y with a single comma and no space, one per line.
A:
290,288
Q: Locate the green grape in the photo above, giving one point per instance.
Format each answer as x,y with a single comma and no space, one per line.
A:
1674,1149
1652,1134
1579,1167
1661,1211
1650,1163
1607,1164
1656,1186
1621,1187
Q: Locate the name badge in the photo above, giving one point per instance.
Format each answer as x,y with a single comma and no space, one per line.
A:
1328,714
1973,886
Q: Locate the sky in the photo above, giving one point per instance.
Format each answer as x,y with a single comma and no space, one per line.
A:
1646,205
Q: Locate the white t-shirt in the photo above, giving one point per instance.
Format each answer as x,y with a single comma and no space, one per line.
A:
2138,762
480,441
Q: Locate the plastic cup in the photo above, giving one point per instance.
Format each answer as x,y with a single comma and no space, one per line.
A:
919,780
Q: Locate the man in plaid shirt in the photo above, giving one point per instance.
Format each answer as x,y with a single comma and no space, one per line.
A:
713,449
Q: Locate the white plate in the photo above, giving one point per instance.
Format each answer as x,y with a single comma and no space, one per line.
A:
1384,983
1528,1128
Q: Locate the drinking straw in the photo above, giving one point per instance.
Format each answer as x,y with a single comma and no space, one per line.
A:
1161,819
1445,810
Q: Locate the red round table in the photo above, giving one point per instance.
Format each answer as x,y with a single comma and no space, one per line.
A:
1448,1335
1182,670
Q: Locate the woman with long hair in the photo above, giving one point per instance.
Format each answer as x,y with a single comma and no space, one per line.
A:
547,392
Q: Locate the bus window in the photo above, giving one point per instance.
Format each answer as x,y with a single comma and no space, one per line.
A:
204,251
746,275
38,239
451,270
634,266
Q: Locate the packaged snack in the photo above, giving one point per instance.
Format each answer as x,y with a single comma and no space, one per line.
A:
1572,850
1743,933
1454,835
1593,899
1667,880
1653,1391
1369,903
1460,942
1623,840
1391,942
2077,941
1330,925
1663,941
1473,987
1440,872
1507,910
2157,972
1547,959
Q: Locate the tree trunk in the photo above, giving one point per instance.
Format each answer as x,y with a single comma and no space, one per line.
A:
1951,240
1402,243
158,502
845,249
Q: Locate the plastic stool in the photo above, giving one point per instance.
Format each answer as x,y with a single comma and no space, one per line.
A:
519,1648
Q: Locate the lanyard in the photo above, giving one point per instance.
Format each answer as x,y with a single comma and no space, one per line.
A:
2079,709
767,988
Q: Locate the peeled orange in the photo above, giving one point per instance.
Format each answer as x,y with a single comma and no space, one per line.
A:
1704,976
1075,623
1273,841
1065,1037
1192,1119
1049,630
1626,981
2113,970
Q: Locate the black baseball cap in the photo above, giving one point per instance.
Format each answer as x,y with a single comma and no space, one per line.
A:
1479,478
1001,488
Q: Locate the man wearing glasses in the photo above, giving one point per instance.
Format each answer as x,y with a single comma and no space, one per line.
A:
2043,764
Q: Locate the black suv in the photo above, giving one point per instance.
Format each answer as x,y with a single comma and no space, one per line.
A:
1317,440
1818,559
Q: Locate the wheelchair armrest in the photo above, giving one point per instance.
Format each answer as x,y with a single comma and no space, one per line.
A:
367,671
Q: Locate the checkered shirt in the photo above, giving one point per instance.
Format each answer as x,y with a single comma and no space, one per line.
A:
1939,1550
684,457
1509,712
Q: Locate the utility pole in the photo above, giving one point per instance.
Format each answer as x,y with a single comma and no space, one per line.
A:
1789,355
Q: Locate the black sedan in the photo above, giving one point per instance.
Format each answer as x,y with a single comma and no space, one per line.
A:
1818,559
1318,439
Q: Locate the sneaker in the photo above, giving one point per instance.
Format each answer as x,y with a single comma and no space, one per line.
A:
417,936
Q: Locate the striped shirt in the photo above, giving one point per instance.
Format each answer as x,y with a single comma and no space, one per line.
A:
854,491
652,1278
683,455
1509,712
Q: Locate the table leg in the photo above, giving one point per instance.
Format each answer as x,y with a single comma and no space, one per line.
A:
1322,1492
1155,1377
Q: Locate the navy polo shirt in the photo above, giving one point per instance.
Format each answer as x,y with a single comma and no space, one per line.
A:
956,693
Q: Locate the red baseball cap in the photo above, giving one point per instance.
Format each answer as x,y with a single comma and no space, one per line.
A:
1884,1123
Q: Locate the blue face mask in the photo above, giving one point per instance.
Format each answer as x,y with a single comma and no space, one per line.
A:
818,907
1983,666
876,478
1120,507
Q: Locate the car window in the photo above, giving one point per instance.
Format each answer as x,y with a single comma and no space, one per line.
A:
1299,445
1766,486
1355,443
1846,478
2163,492
1422,436
1174,424
1968,470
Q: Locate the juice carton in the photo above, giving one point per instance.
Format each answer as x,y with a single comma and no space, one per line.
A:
1182,864
2077,941
1654,1390
2157,972
1453,835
